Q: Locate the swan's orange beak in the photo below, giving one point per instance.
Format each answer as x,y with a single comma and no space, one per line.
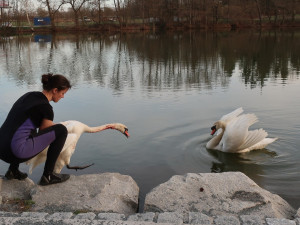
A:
213,130
126,133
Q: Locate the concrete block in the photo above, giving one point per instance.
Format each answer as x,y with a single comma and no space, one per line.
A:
111,216
252,220
77,222
199,218
39,215
119,222
60,216
9,214
298,214
170,217
275,221
25,221
149,216
226,220
86,216
7,220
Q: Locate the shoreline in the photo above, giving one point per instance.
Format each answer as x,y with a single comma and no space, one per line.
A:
204,198
138,219
145,28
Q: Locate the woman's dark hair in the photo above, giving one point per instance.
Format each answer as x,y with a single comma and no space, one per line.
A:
58,81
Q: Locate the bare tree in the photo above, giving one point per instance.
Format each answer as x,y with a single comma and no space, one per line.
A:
122,10
167,13
118,5
96,9
76,5
27,8
18,11
258,11
53,7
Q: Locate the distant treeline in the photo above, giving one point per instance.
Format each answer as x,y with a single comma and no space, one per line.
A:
154,14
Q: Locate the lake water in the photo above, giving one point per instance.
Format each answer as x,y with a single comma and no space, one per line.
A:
168,89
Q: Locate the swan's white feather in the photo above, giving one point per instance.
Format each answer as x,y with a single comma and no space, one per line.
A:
253,138
232,115
235,136
75,130
237,131
262,144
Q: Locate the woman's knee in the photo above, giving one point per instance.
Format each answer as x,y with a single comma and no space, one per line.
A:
60,130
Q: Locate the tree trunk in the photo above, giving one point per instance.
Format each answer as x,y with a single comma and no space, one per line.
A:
228,12
76,17
283,16
259,12
293,12
99,11
118,9
51,15
30,24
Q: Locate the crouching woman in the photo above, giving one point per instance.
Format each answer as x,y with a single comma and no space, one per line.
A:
29,129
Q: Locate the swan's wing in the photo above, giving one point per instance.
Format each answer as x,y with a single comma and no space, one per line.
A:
236,132
232,115
254,137
260,145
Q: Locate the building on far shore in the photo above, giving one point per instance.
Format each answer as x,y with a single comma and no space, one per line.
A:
4,4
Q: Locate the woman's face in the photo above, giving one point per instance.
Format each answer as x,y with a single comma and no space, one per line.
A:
57,95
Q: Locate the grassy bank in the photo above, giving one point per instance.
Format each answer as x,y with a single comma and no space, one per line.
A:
138,26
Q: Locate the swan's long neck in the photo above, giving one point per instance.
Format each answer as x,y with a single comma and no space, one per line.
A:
116,126
79,128
99,128
215,141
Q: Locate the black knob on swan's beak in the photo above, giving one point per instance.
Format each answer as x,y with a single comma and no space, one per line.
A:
126,133
213,129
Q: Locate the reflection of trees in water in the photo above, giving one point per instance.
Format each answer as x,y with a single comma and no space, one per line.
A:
14,51
173,61
270,55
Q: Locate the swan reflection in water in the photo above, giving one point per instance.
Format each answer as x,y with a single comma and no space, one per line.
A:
253,163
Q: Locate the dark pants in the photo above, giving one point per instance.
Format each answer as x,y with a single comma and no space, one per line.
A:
54,137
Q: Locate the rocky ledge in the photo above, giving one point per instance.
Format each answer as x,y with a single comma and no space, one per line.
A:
205,198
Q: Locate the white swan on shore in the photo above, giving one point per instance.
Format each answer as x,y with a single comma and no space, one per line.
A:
233,134
75,130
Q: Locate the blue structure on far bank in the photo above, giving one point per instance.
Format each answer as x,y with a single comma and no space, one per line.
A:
42,21
42,38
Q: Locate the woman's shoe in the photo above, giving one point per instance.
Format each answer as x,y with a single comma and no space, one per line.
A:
15,174
53,178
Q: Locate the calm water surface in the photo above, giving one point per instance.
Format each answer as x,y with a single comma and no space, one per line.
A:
168,89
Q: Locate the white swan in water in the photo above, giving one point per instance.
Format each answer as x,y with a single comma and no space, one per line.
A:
234,136
75,129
